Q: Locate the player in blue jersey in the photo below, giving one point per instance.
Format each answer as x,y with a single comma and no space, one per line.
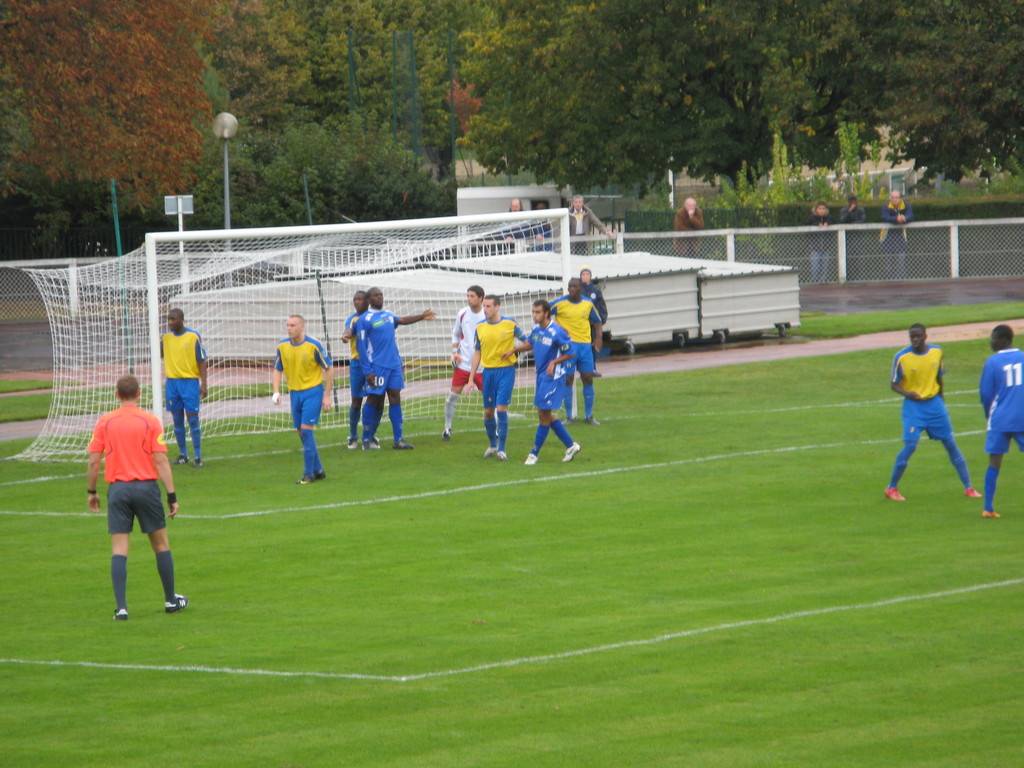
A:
917,373
580,318
382,367
310,373
185,365
495,338
552,350
1002,397
356,377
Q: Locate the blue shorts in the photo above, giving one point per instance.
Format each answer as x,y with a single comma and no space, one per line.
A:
999,442
584,360
498,383
306,405
182,394
548,394
929,416
385,379
357,379
127,500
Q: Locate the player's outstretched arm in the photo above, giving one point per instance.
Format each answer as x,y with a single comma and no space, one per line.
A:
427,314
524,347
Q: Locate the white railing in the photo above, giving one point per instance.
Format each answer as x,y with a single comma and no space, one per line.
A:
846,252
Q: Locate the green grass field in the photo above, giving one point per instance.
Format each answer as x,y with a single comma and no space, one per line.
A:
716,580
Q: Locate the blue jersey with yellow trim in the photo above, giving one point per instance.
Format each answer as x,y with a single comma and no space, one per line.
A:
575,317
182,353
919,373
375,340
495,339
303,364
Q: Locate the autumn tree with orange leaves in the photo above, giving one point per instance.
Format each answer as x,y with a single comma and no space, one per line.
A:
103,89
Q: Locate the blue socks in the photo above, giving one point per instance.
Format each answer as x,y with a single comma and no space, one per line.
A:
310,455
179,431
353,423
561,432
955,456
395,415
502,429
959,462
902,459
193,428
991,480
588,400
542,435
558,428
491,428
371,420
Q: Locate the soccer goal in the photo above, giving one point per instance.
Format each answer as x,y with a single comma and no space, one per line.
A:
236,289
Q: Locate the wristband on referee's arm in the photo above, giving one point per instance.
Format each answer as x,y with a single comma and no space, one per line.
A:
91,492
172,498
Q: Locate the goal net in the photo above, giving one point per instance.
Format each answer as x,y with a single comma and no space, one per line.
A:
237,288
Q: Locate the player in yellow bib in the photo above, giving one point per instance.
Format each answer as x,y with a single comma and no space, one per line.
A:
185,366
917,372
578,316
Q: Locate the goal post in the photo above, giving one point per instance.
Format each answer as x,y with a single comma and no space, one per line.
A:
236,289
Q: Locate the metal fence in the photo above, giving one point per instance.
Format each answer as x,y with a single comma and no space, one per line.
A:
20,299
842,253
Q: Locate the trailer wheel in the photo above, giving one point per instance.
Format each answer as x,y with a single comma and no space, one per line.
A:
679,339
720,336
629,347
783,329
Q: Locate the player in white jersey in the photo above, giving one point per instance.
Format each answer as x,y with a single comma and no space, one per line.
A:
463,339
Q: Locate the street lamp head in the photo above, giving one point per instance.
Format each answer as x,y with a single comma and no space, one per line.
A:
225,126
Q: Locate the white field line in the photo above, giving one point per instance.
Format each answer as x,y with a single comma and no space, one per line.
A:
529,425
488,486
524,660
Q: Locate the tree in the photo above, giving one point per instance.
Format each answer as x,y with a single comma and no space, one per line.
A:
351,174
589,94
100,89
284,61
951,91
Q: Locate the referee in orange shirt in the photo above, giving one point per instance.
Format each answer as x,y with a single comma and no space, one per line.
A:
132,442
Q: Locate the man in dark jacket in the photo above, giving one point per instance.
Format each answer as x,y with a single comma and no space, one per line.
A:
820,241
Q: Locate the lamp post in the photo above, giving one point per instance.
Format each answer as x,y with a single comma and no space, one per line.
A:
225,126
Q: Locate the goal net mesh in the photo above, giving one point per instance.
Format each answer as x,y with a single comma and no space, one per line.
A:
237,288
